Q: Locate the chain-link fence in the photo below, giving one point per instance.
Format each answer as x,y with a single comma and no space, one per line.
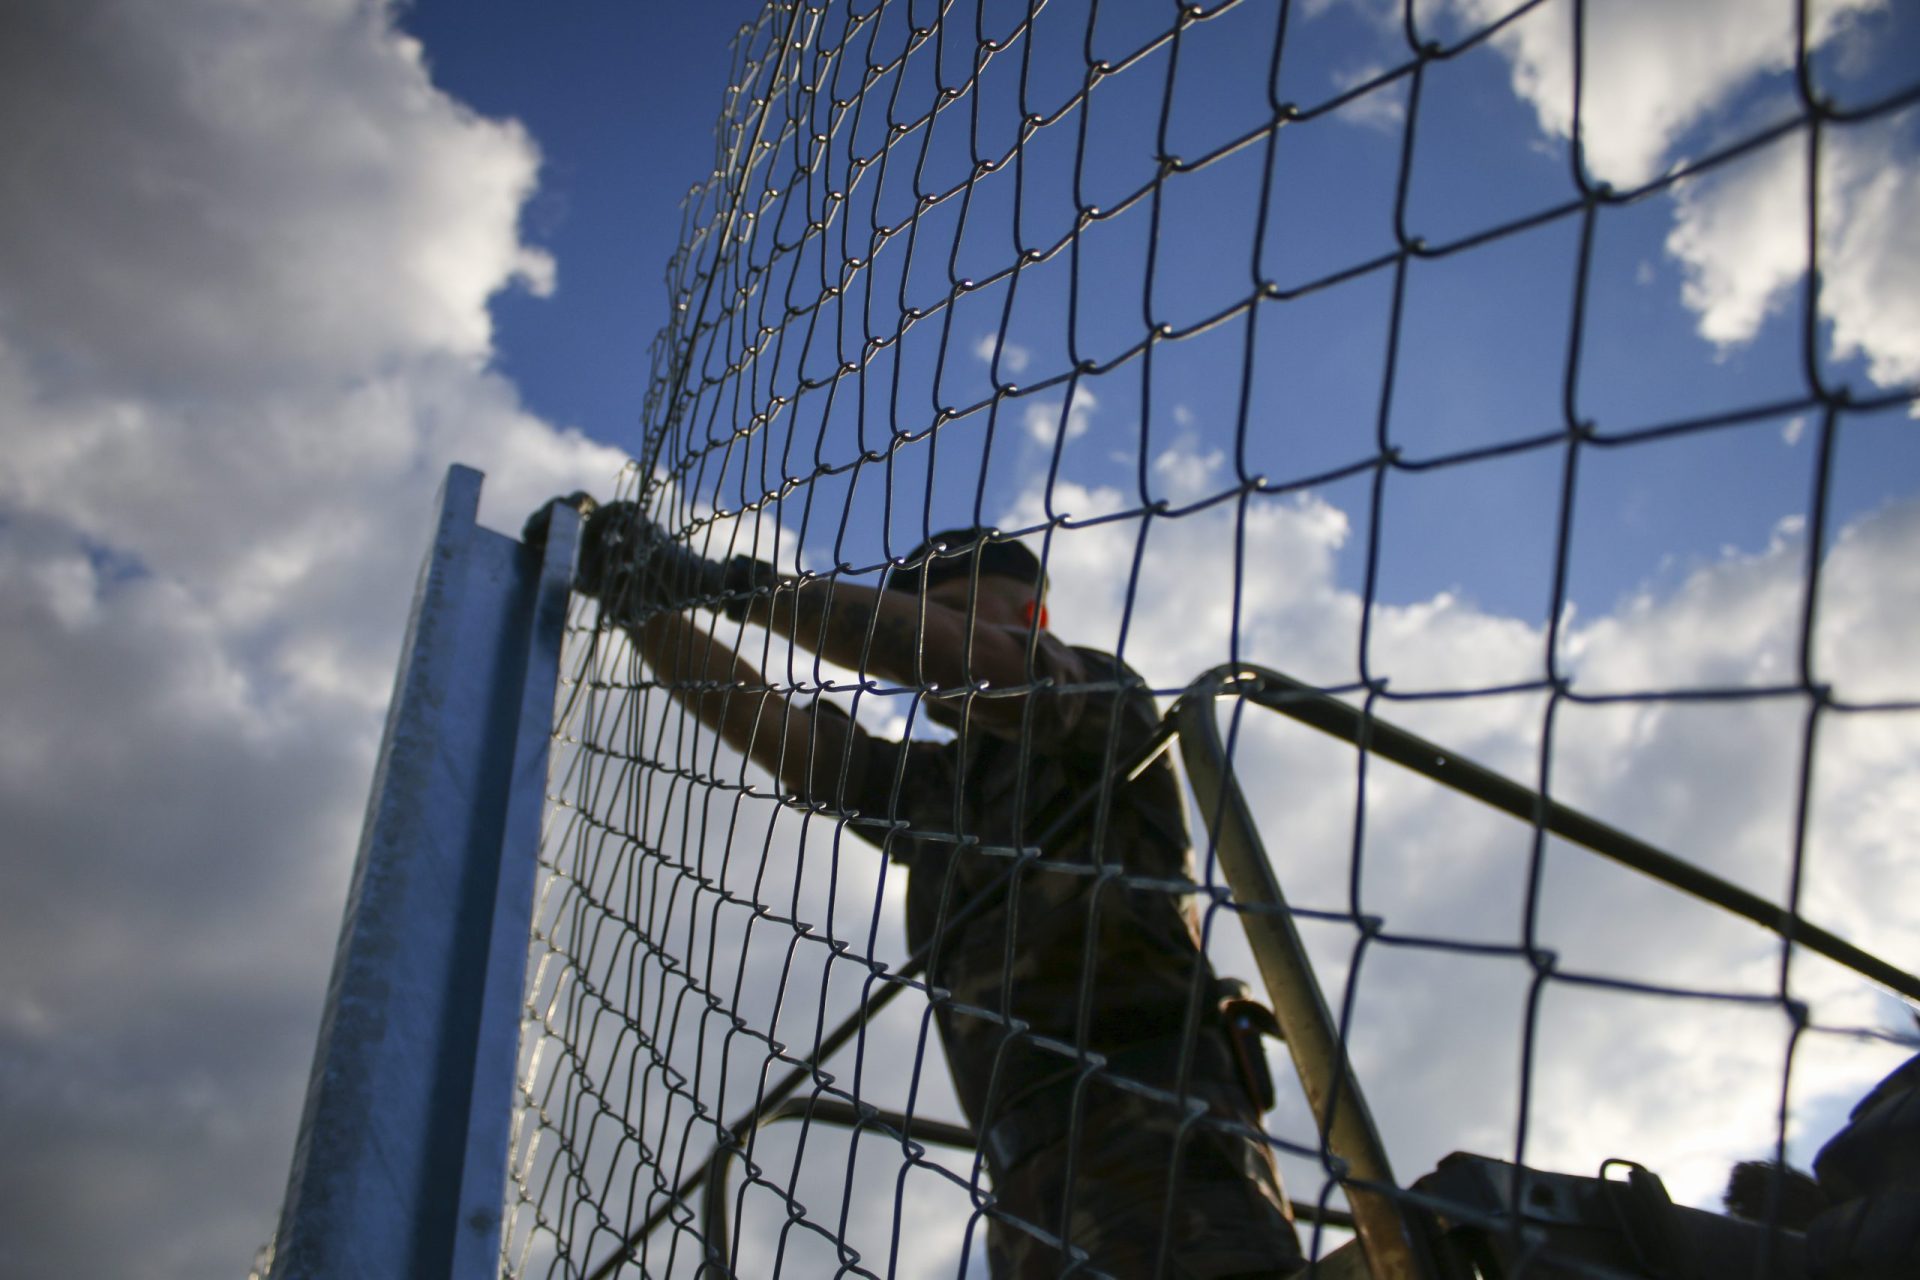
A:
1532,375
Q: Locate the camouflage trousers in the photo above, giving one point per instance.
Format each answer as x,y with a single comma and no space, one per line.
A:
1227,1218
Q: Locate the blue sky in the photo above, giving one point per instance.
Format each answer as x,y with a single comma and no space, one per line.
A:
622,100
266,270
1484,340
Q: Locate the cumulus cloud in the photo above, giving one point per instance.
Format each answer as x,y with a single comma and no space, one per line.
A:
1741,254
1660,78
245,257
1870,268
1685,1087
1742,239
290,201
1384,108
1044,418
1013,357
1652,71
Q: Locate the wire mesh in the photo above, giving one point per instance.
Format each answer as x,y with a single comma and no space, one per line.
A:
1278,343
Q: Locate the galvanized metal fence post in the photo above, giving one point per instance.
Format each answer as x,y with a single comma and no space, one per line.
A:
1389,1236
401,1162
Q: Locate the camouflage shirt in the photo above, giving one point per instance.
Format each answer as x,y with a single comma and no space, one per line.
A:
1092,941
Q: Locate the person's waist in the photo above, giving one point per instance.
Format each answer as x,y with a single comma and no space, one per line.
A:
1040,1114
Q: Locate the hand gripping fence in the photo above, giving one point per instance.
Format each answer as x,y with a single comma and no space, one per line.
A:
1036,269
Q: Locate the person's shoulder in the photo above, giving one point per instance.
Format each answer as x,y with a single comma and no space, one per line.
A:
918,748
1118,690
914,769
1103,666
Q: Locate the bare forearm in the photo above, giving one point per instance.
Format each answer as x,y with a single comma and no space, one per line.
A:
892,634
725,691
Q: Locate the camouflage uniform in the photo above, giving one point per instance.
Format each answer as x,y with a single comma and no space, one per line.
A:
969,805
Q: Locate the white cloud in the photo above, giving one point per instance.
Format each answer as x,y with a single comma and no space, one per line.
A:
1741,237
1656,75
296,202
1870,266
1187,473
1743,242
1384,14
245,256
1687,1087
1383,108
1652,70
1013,356
1042,417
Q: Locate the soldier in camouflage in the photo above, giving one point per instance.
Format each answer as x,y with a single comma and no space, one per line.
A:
1076,993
